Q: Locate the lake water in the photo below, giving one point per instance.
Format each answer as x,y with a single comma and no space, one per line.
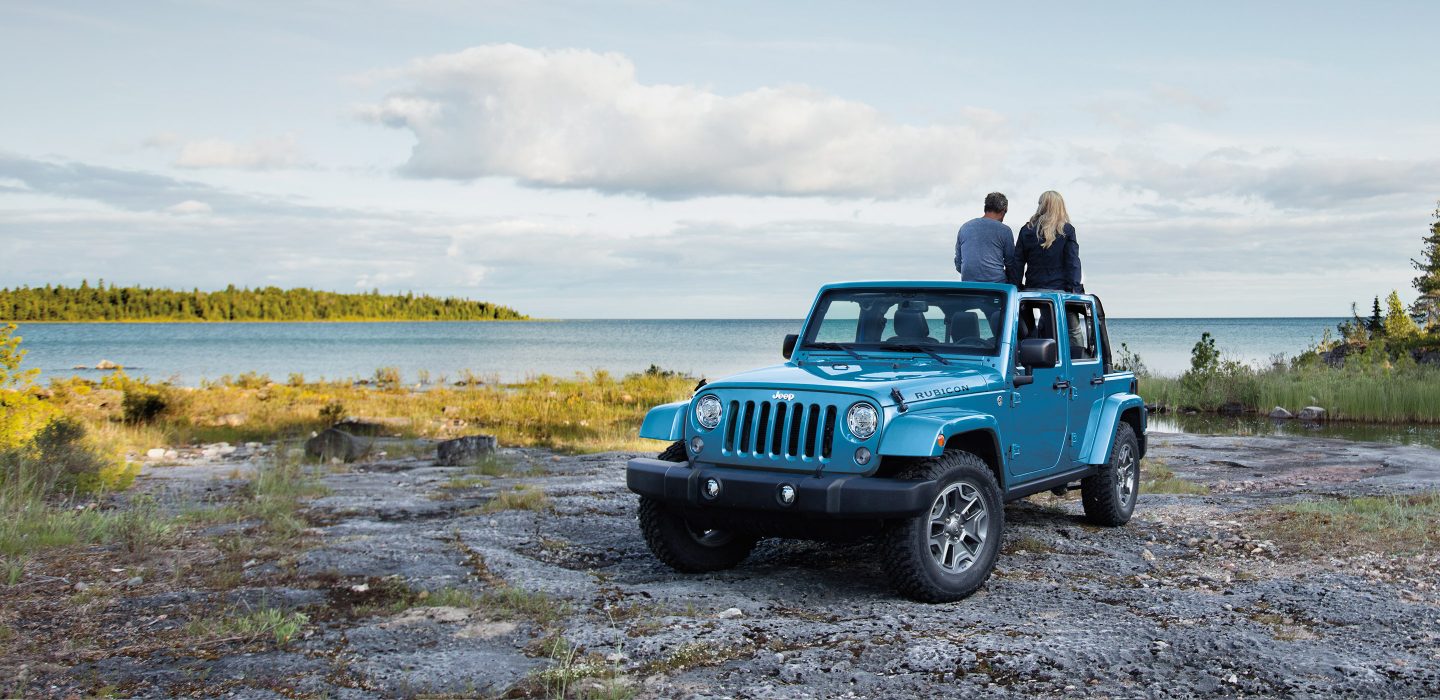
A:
191,352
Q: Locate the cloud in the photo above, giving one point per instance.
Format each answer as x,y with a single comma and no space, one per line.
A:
134,190
582,119
261,154
1287,180
189,206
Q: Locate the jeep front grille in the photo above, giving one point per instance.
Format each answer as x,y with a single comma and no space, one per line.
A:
778,429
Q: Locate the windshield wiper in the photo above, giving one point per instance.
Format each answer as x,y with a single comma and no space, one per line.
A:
919,348
834,346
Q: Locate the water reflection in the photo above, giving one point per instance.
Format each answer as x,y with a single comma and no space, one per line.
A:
1210,424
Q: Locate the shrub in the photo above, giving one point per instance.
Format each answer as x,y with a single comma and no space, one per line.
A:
143,404
387,377
61,459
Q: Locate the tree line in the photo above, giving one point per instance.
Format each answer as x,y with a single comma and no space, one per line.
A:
114,303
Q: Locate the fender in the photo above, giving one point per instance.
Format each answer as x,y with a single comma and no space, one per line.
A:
924,433
1096,449
665,422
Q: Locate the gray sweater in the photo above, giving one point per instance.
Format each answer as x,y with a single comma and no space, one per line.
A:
985,252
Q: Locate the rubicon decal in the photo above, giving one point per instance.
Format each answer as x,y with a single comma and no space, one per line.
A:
937,393
783,396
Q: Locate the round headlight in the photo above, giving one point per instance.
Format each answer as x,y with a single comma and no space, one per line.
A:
707,411
862,420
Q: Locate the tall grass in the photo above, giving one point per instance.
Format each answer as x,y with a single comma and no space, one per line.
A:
1398,394
584,413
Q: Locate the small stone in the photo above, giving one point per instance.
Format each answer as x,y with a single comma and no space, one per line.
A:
360,587
106,364
1258,550
155,453
731,613
1280,413
1158,646
134,581
81,586
1312,413
1147,555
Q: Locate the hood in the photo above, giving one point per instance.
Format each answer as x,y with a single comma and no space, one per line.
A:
917,381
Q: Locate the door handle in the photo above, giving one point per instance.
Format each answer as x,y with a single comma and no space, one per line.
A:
1060,384
1097,381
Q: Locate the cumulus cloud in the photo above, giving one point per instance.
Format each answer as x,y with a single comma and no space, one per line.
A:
582,119
260,154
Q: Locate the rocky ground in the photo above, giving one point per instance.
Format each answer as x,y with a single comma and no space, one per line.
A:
419,580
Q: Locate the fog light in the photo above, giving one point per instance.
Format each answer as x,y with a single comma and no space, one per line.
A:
696,444
787,494
712,488
862,456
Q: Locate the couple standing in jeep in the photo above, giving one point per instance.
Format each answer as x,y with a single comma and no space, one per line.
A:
1047,255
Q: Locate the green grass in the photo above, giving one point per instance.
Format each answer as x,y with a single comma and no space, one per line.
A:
277,625
1403,393
1337,526
1155,477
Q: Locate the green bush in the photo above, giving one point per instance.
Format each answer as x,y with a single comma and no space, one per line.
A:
60,459
143,404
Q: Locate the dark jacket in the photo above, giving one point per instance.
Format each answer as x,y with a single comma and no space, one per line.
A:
1056,267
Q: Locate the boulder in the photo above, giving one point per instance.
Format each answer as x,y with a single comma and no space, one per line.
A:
155,453
356,425
106,364
1280,412
465,450
334,443
1312,413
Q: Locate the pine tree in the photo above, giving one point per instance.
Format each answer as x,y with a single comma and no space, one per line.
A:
1427,307
1376,326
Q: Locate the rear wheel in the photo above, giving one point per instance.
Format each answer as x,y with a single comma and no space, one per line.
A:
948,551
686,547
1109,496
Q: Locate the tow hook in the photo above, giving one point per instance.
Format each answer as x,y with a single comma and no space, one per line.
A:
899,400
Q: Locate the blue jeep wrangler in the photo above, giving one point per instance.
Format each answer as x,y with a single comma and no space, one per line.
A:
908,410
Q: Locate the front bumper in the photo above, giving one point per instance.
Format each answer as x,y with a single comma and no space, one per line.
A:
846,496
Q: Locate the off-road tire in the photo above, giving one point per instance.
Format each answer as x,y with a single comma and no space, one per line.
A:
913,570
1104,495
683,547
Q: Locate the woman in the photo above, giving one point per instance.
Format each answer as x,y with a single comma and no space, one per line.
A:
1047,251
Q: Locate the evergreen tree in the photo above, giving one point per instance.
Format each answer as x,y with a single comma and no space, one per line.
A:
1398,324
1376,326
1427,307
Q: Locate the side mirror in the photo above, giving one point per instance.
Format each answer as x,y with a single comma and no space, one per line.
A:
1039,352
788,348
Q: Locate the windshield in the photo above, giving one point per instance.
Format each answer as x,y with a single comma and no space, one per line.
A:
941,320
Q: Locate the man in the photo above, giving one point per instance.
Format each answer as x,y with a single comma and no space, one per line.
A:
985,247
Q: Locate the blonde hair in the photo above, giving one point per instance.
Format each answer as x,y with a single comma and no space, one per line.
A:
1050,218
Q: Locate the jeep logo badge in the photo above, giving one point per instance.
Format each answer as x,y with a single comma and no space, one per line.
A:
783,396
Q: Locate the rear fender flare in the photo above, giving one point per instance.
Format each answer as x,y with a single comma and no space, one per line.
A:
665,422
1099,442
924,433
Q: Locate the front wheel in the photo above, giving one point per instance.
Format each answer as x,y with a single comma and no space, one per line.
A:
948,551
683,546
1109,496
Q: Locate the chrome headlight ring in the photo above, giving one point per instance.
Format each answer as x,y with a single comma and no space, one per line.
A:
708,411
862,419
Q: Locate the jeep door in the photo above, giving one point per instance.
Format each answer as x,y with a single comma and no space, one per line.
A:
1039,421
1087,376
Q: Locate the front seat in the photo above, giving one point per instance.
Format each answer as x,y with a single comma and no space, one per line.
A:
964,329
911,327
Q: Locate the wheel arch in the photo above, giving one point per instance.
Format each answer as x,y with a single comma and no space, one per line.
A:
665,422
1114,409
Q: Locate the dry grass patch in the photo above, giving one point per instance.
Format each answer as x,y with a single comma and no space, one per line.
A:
522,497
1385,524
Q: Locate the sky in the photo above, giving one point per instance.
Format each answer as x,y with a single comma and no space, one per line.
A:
658,159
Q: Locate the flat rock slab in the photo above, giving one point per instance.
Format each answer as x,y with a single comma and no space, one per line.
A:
1163,607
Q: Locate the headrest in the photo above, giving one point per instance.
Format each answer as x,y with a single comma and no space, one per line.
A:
911,324
964,325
